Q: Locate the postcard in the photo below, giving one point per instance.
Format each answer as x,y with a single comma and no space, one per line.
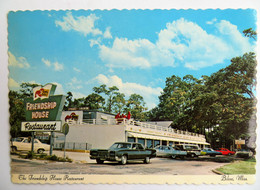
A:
133,96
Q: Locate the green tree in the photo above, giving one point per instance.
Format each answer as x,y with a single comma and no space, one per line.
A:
110,92
250,33
94,102
227,100
136,105
119,102
176,101
17,113
68,101
27,89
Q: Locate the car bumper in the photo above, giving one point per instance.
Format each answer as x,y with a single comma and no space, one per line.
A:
116,158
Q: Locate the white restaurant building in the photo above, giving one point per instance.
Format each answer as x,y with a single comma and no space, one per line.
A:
93,129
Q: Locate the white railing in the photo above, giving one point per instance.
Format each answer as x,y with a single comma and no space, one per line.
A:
123,121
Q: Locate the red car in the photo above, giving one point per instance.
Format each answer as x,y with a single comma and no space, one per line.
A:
225,151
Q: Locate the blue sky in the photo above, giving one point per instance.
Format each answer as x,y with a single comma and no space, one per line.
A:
134,50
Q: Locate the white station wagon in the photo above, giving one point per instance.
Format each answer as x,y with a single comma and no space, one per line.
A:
23,143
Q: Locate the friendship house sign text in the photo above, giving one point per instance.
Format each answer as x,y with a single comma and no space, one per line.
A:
43,110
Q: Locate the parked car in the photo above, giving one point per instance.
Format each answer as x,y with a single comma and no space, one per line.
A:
122,152
210,152
169,151
244,153
191,149
225,151
24,143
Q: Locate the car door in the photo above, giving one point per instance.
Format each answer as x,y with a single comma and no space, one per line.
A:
25,145
159,150
133,152
142,152
36,144
168,151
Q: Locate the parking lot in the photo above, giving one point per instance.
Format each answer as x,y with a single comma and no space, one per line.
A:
83,165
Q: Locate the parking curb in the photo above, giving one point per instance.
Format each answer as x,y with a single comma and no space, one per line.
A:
218,172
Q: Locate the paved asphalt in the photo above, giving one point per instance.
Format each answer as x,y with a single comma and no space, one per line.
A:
83,165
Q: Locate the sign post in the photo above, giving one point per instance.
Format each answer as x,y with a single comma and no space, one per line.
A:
65,130
32,139
51,143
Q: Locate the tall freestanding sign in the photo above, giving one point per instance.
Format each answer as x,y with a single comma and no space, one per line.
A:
43,111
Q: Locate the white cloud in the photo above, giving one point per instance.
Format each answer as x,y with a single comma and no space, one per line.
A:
107,33
95,42
58,66
82,24
12,84
192,45
20,62
149,94
59,88
75,84
238,43
76,69
46,62
214,20
139,53
77,94
181,42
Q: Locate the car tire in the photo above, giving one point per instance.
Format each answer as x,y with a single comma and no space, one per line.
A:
14,148
192,155
40,151
99,161
123,160
182,157
229,154
173,156
147,160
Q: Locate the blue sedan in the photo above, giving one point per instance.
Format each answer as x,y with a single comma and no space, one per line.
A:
210,152
169,151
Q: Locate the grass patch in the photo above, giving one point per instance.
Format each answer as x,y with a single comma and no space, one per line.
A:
32,155
239,167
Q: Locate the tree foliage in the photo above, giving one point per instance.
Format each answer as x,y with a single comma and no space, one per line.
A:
225,99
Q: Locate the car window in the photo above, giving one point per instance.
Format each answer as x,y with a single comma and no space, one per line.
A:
140,147
35,141
26,141
18,139
134,146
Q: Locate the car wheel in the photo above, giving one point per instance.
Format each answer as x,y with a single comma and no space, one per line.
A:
40,151
173,156
147,160
193,155
123,160
100,161
13,148
229,154
181,157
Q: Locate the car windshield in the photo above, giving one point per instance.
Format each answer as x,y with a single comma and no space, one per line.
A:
17,139
120,145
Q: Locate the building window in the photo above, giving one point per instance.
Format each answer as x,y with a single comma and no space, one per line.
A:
130,139
156,142
164,142
149,143
141,141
